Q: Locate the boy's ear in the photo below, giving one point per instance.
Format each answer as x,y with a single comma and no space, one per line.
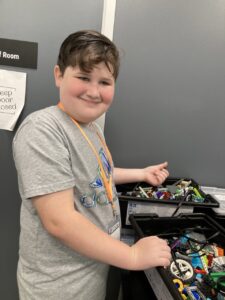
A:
58,76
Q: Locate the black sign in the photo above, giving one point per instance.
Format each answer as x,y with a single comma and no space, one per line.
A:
18,53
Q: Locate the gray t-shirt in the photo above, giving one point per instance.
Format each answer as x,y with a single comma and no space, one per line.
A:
51,155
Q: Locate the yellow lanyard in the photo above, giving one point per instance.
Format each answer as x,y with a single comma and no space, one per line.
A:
107,182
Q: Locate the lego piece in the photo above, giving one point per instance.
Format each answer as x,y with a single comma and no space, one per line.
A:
182,269
194,293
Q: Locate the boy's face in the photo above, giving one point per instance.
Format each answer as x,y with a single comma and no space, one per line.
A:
85,96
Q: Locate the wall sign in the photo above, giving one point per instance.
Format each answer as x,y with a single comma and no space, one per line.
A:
12,97
18,53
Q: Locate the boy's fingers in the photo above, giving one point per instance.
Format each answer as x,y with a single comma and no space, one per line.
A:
164,165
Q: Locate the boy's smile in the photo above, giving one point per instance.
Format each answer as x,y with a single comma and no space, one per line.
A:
85,96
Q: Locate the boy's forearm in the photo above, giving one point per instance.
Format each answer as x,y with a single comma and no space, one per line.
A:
93,242
121,175
59,218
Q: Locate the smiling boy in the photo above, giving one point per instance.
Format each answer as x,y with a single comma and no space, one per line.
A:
70,216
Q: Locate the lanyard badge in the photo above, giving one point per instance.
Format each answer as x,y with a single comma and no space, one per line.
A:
106,181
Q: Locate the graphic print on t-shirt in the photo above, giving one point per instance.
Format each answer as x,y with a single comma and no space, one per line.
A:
98,196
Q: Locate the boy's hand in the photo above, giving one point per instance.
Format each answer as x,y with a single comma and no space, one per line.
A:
150,252
156,175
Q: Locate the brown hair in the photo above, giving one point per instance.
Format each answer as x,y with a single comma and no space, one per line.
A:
86,49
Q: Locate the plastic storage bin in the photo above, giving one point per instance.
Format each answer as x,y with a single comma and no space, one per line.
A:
163,200
218,214
160,279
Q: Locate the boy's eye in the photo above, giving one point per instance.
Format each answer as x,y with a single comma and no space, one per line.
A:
105,83
83,78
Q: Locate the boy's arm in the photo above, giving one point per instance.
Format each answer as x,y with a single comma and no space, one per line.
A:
61,220
154,175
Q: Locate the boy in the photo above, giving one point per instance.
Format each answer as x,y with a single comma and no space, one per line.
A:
70,217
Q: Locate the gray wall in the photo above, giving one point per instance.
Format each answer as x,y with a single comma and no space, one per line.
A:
47,23
169,103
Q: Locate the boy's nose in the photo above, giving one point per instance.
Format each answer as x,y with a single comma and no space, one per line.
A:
93,91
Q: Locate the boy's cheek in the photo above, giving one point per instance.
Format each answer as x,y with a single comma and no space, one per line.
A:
109,96
109,100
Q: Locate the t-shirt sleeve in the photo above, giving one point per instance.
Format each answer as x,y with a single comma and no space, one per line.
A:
42,158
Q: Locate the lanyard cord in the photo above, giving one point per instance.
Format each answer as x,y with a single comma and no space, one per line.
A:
107,182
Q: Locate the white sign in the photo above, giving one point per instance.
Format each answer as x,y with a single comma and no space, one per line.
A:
12,97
